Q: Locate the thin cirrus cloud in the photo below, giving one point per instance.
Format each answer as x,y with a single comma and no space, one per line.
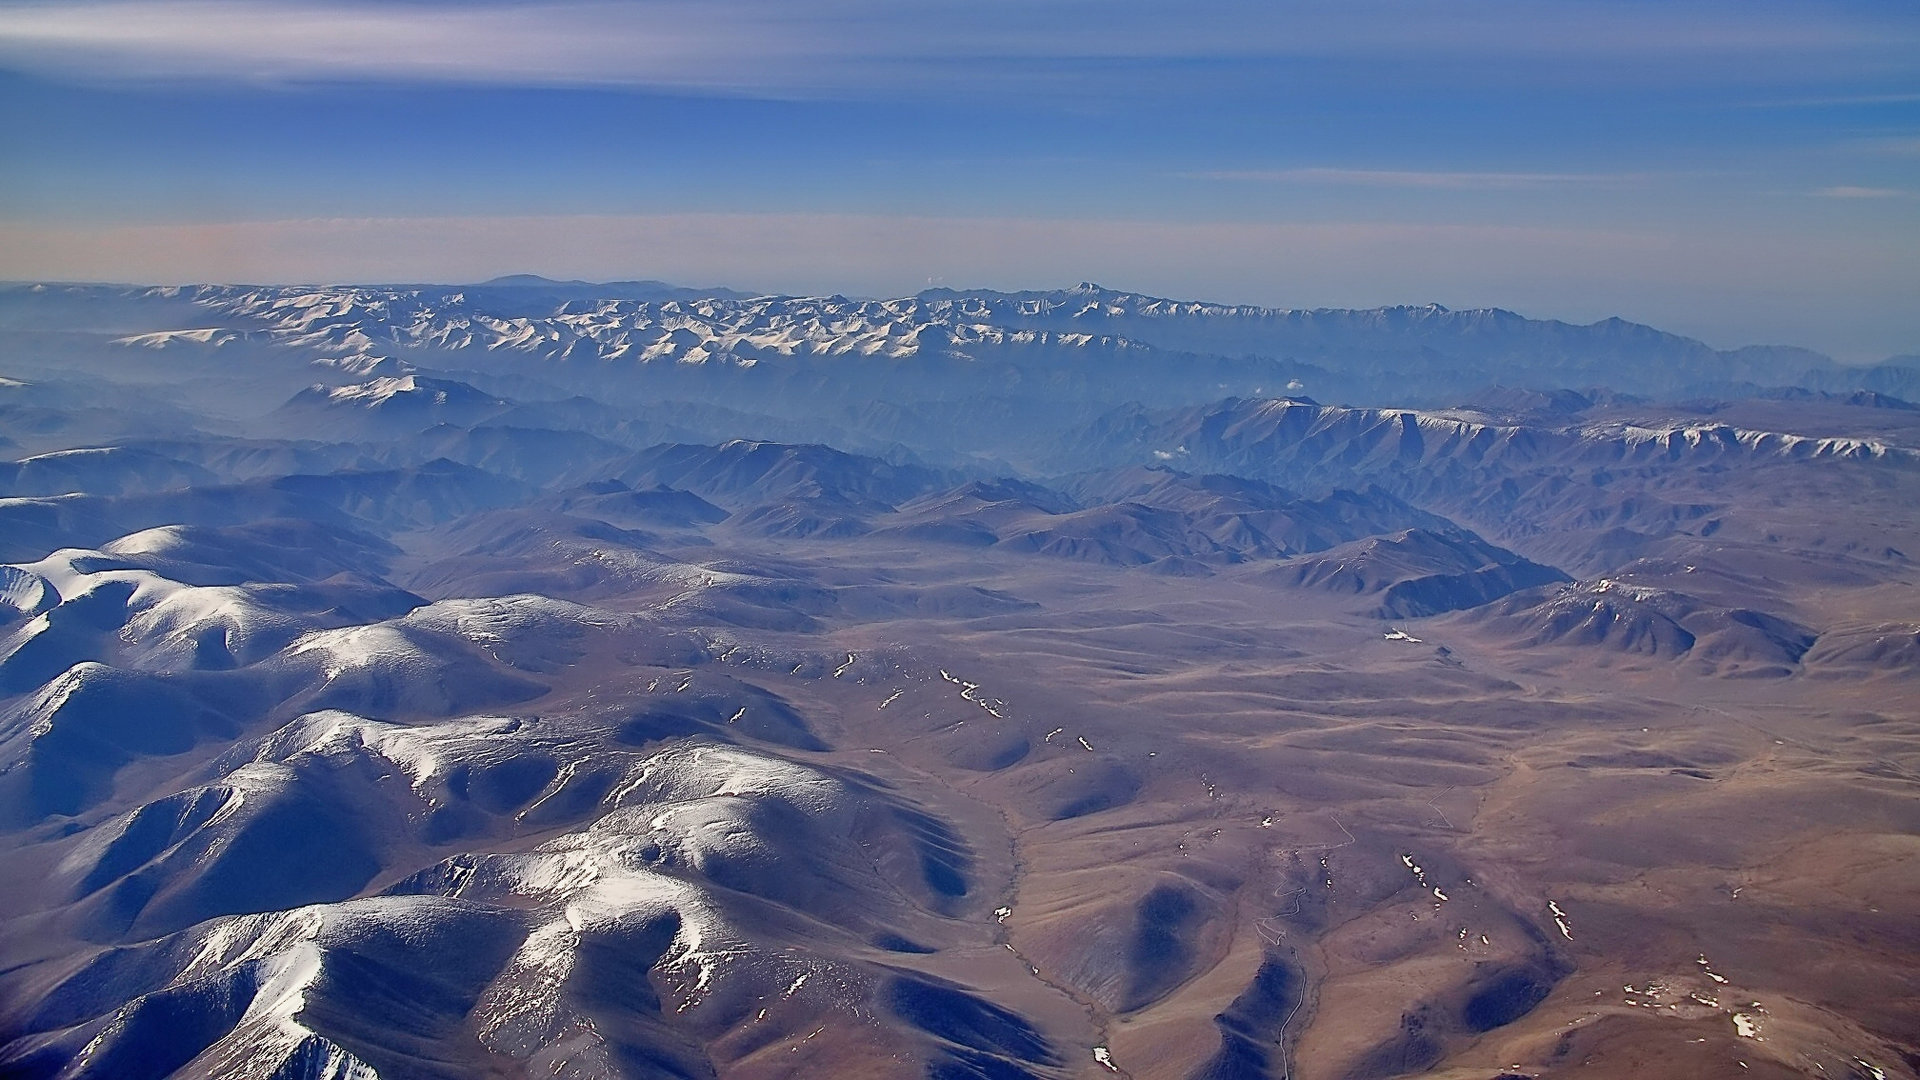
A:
1848,191
1399,178
790,46
271,41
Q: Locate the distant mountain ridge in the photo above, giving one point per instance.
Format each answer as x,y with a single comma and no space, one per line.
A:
1025,339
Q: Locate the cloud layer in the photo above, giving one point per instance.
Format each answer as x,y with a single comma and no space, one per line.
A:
851,46
1450,181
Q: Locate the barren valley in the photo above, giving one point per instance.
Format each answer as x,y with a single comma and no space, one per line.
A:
535,680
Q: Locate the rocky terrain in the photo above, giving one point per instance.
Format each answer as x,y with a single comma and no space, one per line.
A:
542,679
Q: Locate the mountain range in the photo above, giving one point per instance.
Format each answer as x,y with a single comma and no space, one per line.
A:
546,678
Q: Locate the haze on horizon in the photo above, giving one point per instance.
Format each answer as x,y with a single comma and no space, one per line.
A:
1740,172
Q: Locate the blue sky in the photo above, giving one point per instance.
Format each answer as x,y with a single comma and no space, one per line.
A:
1741,171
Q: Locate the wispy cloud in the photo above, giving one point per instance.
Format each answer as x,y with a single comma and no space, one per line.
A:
1395,178
1847,191
660,44
800,45
1837,101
